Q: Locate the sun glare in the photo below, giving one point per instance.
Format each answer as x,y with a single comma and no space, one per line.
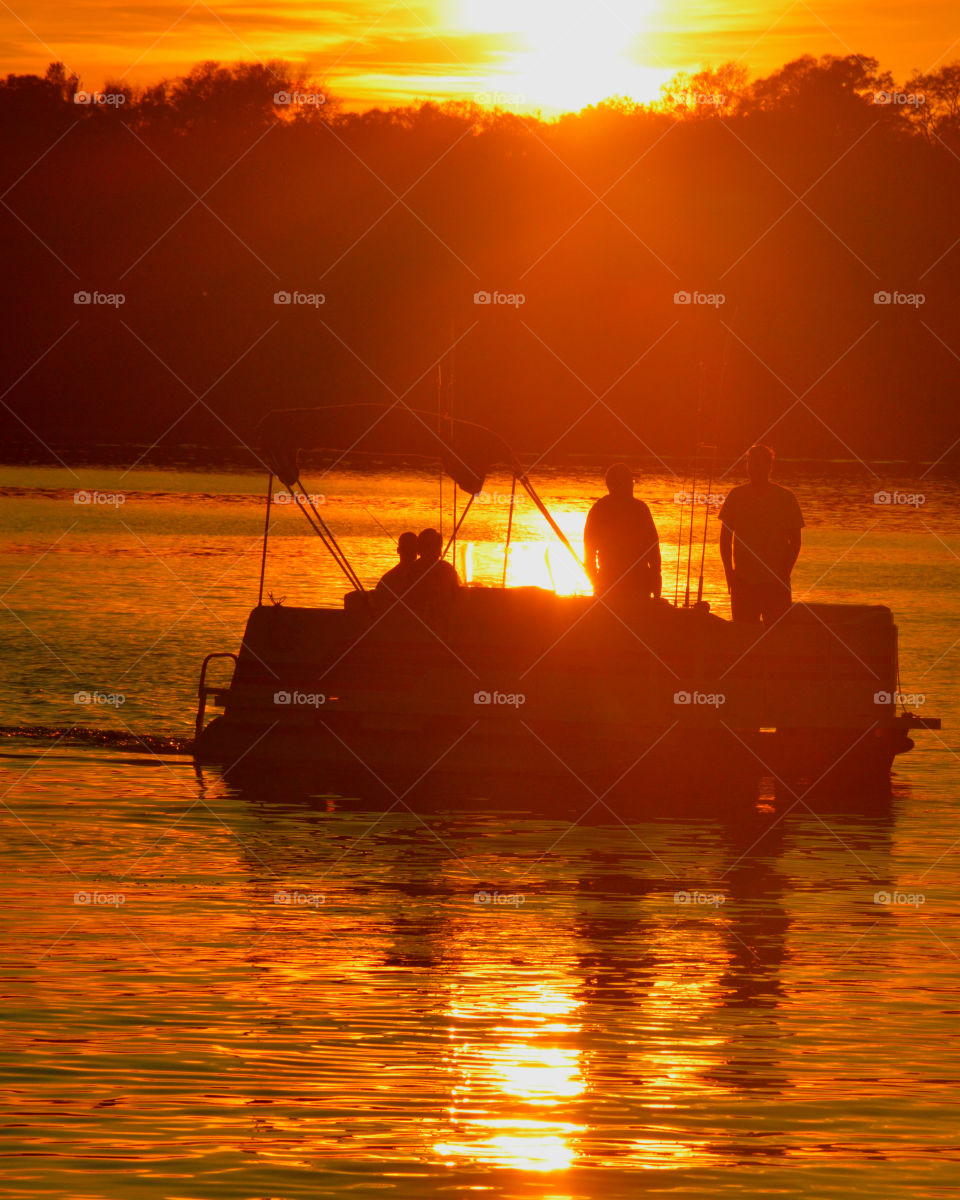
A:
564,54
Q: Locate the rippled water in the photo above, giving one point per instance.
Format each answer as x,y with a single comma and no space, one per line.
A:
240,989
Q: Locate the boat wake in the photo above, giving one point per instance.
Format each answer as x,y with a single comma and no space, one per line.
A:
113,739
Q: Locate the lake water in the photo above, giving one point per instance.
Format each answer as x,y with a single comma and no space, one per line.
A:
253,991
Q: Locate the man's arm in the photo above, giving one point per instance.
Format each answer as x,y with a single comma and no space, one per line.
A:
590,549
653,558
726,553
793,549
793,535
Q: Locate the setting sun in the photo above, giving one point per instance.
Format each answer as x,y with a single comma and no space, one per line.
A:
561,54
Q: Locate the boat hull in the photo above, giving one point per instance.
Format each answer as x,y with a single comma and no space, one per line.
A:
524,684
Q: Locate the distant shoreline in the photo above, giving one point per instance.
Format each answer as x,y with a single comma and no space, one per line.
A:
242,459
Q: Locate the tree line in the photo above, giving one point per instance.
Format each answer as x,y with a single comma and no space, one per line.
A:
745,258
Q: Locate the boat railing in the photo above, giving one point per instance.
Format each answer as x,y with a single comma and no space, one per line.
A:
205,689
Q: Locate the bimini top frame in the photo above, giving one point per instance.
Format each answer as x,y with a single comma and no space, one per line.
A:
465,451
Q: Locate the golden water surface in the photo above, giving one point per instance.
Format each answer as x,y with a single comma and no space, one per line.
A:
260,989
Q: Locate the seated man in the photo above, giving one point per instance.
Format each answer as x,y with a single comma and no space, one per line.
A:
399,579
437,582
760,525
620,541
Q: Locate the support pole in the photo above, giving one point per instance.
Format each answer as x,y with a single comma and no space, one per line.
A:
545,513
453,536
329,541
266,531
506,549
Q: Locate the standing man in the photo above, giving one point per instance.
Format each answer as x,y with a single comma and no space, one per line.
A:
620,542
760,525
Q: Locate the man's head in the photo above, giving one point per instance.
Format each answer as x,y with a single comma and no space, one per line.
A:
429,544
759,463
407,547
620,480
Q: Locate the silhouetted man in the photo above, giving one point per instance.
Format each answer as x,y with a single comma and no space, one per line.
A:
401,578
759,542
620,542
437,582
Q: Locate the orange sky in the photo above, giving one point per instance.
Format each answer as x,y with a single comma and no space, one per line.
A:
549,54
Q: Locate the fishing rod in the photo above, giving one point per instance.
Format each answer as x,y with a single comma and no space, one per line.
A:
449,395
546,559
440,431
676,581
706,520
374,517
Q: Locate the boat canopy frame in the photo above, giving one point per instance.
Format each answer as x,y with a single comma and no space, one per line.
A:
466,453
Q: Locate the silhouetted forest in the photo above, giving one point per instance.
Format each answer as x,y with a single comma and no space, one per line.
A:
182,210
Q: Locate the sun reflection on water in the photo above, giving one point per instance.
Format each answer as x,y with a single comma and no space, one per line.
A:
511,1059
519,1060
